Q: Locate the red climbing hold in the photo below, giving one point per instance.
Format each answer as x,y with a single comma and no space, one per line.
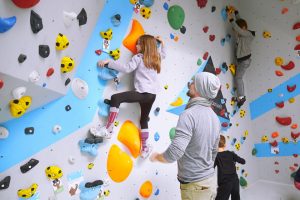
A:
98,52
291,88
50,72
280,104
297,47
296,25
205,55
218,70
205,29
25,4
295,135
212,37
278,73
295,155
1,84
298,38
201,3
285,121
276,171
274,143
289,66
224,124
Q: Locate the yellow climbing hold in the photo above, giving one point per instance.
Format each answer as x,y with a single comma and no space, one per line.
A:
119,164
292,100
278,61
232,69
246,133
177,102
129,135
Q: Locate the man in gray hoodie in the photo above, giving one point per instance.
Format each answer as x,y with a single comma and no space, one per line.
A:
195,144
244,38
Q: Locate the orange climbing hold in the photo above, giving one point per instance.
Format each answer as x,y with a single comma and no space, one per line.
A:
280,104
146,189
278,73
298,38
289,66
285,121
275,134
291,88
294,126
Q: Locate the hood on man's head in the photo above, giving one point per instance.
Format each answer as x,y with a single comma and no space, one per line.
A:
207,85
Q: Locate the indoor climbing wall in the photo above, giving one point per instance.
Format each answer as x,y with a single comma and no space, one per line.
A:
273,87
54,156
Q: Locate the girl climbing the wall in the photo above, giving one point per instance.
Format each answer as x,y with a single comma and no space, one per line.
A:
244,38
146,65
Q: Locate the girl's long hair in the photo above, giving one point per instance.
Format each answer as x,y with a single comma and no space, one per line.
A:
150,52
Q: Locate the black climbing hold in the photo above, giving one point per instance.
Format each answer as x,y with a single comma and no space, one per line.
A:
213,8
22,58
183,29
29,165
82,17
44,51
95,140
36,22
224,66
67,81
68,108
157,109
93,184
4,184
29,130
118,17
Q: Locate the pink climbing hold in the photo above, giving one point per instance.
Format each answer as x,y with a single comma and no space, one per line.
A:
291,88
285,121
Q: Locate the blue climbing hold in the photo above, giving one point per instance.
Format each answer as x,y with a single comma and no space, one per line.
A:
156,192
103,108
147,3
116,20
224,14
166,6
106,73
88,148
156,136
172,36
7,23
223,42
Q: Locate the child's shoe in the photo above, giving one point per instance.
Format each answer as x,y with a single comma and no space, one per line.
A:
145,152
241,101
100,132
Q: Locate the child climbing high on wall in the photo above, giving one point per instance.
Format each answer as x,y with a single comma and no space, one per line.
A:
228,181
146,66
244,38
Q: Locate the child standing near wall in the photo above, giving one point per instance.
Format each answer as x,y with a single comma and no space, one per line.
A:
146,66
228,181
244,38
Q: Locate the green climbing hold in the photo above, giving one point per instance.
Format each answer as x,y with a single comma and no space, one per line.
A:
172,133
199,61
254,152
176,17
293,175
243,182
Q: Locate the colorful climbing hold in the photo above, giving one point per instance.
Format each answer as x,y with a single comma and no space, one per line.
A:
254,152
285,121
274,143
275,134
7,23
1,84
25,4
264,138
146,189
267,34
129,135
119,164
172,133
291,88
177,102
278,61
205,29
176,16
201,3
284,10
296,26
205,56
292,100
243,182
289,66
280,104
278,73
50,71
156,136
294,126
199,62
212,37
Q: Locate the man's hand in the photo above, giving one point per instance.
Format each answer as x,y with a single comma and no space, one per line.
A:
156,157
102,63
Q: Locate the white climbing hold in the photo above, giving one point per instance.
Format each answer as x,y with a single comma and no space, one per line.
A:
19,92
80,88
3,132
34,76
69,17
56,129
